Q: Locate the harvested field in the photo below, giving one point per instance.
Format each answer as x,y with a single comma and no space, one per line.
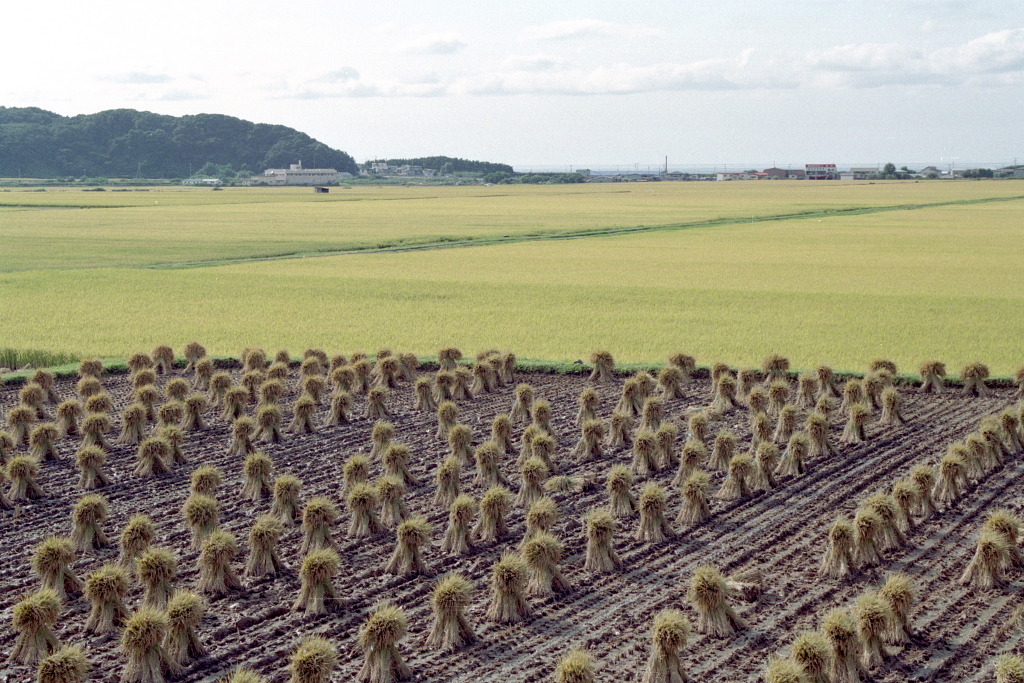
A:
780,533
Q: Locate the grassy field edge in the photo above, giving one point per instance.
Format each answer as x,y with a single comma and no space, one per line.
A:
116,366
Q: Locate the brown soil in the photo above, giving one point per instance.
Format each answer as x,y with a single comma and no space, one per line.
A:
780,532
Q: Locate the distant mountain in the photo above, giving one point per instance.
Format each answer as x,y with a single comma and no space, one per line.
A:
35,143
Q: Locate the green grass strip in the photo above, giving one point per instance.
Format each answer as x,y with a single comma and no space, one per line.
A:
119,366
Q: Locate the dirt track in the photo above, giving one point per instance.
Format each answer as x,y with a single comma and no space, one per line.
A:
780,532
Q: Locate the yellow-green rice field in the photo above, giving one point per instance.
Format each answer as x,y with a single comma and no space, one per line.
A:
940,278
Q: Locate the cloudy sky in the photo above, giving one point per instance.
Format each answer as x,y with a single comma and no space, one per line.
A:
550,84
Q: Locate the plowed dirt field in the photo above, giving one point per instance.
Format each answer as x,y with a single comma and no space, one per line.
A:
781,533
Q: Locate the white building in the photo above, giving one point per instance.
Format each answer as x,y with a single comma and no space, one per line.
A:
858,173
296,175
821,171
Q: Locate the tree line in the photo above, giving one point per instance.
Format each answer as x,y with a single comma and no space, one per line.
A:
445,165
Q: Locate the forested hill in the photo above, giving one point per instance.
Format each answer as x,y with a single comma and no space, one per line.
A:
35,143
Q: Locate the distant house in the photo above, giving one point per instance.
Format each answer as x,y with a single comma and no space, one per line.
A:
858,174
295,174
412,171
736,175
775,173
928,170
382,168
821,171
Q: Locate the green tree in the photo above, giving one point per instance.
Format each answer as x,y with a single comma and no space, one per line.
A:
498,177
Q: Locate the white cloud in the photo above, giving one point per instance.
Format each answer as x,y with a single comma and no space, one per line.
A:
612,79
536,62
182,96
346,73
317,90
138,78
709,74
435,44
584,28
1001,51
313,93
880,64
423,78
867,57
560,30
995,59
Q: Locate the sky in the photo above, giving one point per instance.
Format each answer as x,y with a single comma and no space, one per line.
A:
552,85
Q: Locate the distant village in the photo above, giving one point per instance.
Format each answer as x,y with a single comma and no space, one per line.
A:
297,175
831,172
813,172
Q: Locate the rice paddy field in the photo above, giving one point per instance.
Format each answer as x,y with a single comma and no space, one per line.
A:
405,516
821,272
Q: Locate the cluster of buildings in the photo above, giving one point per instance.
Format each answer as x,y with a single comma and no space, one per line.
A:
383,168
808,172
830,172
295,174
